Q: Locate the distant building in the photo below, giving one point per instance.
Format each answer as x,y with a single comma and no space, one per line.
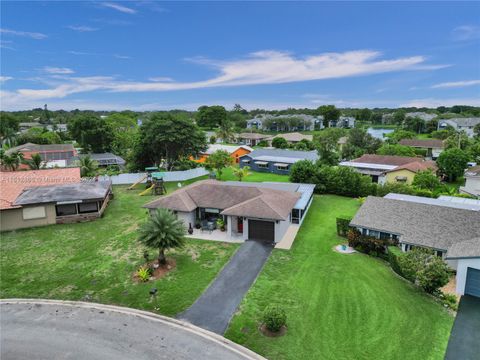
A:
57,127
103,159
343,122
291,138
472,181
53,155
433,147
307,122
235,152
25,126
251,139
460,124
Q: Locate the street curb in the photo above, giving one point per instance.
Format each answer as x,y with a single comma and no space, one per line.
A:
234,347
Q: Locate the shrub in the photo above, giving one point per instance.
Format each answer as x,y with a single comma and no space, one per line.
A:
448,300
274,317
213,139
433,275
394,255
367,244
143,273
279,143
303,171
343,226
263,143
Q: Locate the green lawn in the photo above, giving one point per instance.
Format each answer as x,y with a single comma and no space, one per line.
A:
254,176
95,261
339,306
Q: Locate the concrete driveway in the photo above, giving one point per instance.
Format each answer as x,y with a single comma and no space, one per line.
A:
42,329
464,340
214,309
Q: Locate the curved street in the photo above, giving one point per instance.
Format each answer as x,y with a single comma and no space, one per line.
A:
43,329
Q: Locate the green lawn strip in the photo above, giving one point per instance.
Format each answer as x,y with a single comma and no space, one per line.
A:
339,306
95,261
227,175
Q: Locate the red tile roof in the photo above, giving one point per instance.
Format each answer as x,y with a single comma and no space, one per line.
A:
13,183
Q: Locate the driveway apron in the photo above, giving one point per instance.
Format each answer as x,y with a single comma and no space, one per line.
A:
464,340
214,309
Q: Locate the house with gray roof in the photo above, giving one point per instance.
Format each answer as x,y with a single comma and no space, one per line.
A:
450,230
277,161
103,159
472,182
255,211
460,124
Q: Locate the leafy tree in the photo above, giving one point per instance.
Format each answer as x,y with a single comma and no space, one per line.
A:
262,143
399,117
426,179
39,136
329,113
303,171
225,131
364,114
241,173
476,130
360,142
399,134
327,145
457,140
452,163
434,275
395,149
91,132
237,119
442,134
279,143
88,167
431,126
218,161
474,151
35,163
376,118
162,231
211,116
11,161
345,181
164,139
125,132
300,146
415,124
8,128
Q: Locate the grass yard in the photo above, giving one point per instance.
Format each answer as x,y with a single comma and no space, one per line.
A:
254,176
95,261
339,306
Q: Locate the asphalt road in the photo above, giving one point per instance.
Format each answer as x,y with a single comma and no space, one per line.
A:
464,340
214,309
91,331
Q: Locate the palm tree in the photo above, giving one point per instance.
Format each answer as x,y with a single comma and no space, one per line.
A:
35,163
12,161
87,166
163,231
240,173
225,131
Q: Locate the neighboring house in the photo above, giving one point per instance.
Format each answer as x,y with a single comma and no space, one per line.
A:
422,115
291,138
53,155
235,152
309,122
57,127
451,232
390,169
50,196
275,160
25,126
251,139
433,147
103,159
460,124
255,211
472,181
343,122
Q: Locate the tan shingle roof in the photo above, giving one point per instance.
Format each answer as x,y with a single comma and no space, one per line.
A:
417,166
232,199
386,159
422,143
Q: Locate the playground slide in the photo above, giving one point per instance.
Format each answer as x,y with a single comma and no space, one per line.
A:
146,191
138,182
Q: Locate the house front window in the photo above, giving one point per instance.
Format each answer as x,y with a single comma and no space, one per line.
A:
66,209
87,207
262,165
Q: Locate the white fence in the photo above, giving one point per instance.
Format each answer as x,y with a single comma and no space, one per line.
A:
124,179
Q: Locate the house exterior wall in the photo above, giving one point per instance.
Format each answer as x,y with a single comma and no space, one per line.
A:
472,185
462,266
12,219
187,218
281,228
390,176
238,153
270,169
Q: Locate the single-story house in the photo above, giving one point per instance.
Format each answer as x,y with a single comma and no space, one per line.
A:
255,211
472,181
25,126
433,147
291,138
103,159
389,168
450,231
43,197
276,161
235,151
53,155
460,124
251,139
57,127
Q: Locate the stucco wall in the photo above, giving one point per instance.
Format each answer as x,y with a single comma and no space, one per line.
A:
390,177
280,229
271,168
462,266
187,218
12,219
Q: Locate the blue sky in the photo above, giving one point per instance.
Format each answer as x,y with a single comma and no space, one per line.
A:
147,55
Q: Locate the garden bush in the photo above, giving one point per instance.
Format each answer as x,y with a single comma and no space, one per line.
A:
394,258
368,244
274,317
343,226
433,275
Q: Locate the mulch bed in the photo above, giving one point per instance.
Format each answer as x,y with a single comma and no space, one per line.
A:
159,272
263,329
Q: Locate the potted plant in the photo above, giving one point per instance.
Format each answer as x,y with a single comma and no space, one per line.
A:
190,229
221,224
198,225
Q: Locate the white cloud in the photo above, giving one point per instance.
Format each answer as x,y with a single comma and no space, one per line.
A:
456,84
82,28
125,57
161,79
435,102
265,67
118,7
5,78
58,70
32,35
466,32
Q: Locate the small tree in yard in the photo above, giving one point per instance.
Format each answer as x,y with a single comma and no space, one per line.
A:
240,173
452,163
163,231
274,318
35,163
434,275
218,161
279,143
426,180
